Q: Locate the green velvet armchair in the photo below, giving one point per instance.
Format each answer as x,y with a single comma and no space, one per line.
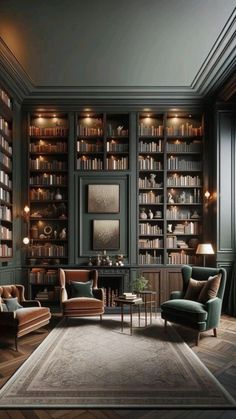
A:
185,307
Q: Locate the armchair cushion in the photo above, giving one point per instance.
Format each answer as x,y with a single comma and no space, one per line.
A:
185,308
194,289
210,288
12,304
82,303
81,289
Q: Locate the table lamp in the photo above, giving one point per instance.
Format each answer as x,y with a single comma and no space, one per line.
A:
204,249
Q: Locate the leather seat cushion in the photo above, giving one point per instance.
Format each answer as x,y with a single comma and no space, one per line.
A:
81,303
191,309
29,314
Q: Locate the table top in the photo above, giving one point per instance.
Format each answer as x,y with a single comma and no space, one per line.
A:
148,292
127,301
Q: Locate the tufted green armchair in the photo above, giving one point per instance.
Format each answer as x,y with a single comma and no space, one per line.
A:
194,314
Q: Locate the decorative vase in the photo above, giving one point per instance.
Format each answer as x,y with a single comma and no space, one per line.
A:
58,195
143,214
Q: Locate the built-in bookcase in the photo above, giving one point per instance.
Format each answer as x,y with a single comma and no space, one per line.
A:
48,203
6,167
102,142
170,185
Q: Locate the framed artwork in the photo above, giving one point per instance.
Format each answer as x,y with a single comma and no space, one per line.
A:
106,234
103,198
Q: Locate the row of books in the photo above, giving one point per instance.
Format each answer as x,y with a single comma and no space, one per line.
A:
43,276
5,195
177,163
150,244
150,198
48,131
83,146
146,183
5,233
5,144
148,258
114,146
193,197
48,295
42,147
83,130
150,131
47,179
119,131
4,126
188,228
181,258
121,163
186,129
151,147
181,180
5,213
85,163
5,160
5,98
5,179
47,250
146,229
109,295
42,164
149,164
178,147
5,250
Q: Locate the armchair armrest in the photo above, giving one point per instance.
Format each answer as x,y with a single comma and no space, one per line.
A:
213,307
98,293
63,295
31,303
174,295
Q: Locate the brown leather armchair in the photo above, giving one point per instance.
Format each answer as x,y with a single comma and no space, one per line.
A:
23,320
80,306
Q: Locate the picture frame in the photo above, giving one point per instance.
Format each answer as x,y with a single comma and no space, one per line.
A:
106,234
104,198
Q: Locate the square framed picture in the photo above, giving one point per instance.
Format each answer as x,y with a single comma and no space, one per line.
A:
106,234
103,198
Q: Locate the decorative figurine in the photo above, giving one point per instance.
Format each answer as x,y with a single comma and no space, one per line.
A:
62,234
170,199
150,214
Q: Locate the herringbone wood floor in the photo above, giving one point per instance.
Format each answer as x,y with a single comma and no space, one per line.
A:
219,355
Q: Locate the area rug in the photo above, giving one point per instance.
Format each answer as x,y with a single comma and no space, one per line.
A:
84,364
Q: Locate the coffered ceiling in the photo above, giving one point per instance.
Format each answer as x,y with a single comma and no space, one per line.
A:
145,47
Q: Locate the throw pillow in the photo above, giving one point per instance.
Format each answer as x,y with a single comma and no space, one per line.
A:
12,304
210,288
81,289
194,289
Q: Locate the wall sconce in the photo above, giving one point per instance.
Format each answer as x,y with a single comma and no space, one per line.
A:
26,211
207,195
26,241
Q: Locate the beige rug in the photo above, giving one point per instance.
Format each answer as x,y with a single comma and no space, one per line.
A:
85,363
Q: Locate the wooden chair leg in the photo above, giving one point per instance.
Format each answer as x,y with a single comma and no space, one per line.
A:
165,325
197,339
215,332
16,343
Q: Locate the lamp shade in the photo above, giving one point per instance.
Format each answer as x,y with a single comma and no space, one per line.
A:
205,249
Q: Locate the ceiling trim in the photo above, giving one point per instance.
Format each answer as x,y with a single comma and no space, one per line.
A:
14,76
218,65
220,62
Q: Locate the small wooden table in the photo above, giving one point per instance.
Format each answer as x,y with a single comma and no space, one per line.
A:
131,303
145,295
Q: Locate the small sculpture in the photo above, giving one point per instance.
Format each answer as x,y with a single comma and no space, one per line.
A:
62,234
170,198
150,214
152,181
183,197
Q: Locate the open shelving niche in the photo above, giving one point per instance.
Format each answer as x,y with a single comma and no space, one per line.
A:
48,203
6,167
170,188
102,142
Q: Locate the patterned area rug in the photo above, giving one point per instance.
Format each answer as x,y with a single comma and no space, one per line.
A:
85,363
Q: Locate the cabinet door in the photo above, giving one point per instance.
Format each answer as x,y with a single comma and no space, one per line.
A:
172,281
154,276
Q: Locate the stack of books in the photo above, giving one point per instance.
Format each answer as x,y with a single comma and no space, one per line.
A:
128,296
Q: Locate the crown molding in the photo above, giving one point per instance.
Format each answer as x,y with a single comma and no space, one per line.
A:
217,67
220,62
13,75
